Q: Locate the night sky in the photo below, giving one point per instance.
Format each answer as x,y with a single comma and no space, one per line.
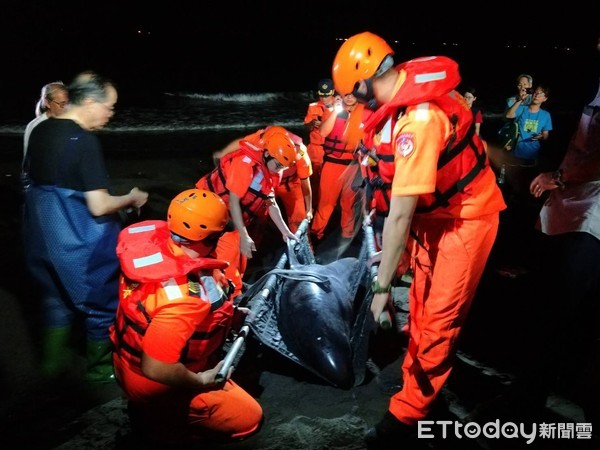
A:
277,46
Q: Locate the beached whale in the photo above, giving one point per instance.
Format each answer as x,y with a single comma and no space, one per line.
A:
316,315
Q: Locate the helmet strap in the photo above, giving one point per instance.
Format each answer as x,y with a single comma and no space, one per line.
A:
179,239
267,156
203,247
365,96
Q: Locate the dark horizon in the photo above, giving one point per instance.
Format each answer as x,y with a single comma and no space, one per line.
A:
257,47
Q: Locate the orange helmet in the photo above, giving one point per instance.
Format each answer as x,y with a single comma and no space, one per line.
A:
280,146
196,213
358,59
270,131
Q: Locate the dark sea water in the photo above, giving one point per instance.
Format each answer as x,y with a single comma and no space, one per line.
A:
143,122
174,109
180,123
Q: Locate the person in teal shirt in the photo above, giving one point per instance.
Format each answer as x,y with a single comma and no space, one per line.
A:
534,123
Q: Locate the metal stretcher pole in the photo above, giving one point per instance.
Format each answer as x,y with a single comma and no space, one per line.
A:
385,319
237,345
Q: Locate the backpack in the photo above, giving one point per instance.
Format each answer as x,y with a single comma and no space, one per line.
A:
508,135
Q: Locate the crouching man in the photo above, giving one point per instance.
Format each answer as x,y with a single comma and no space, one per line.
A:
175,312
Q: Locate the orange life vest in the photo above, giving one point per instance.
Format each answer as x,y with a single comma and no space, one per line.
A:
317,110
430,79
255,202
335,145
148,265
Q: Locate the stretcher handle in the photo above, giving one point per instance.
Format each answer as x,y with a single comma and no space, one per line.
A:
385,319
231,355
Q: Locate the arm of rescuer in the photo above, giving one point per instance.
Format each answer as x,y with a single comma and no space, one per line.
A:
232,146
307,194
277,218
304,171
415,173
395,235
100,202
312,119
163,342
235,145
177,375
247,245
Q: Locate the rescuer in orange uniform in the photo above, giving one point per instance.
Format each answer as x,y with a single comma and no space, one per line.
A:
316,113
444,193
342,131
175,312
294,189
246,180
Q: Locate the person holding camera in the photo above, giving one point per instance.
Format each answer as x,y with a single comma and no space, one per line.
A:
524,86
520,167
534,125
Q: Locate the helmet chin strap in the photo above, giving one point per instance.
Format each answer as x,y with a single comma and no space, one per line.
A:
179,239
365,95
201,248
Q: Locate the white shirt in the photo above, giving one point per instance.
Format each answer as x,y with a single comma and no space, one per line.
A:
577,207
29,128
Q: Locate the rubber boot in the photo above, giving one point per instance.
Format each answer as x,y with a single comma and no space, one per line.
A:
57,354
99,364
389,433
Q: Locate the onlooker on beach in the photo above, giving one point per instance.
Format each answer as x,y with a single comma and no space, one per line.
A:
70,228
454,228
534,124
562,344
174,315
53,101
470,95
524,91
570,220
246,180
342,131
315,115
294,189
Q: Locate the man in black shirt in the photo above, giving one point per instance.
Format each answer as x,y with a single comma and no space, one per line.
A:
70,227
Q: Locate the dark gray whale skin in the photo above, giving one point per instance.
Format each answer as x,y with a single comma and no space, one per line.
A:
315,319
317,315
